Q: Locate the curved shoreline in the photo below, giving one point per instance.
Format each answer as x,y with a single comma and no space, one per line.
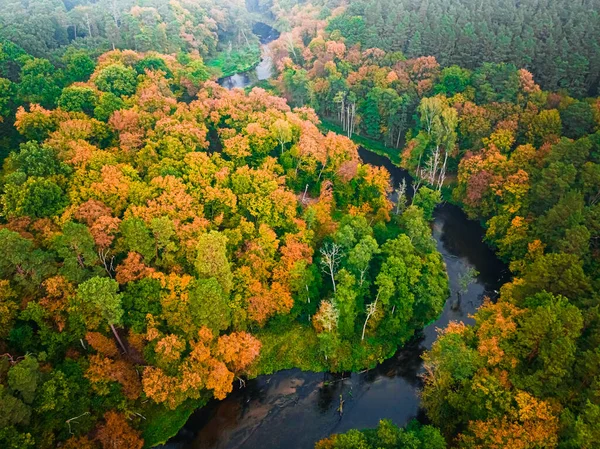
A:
294,408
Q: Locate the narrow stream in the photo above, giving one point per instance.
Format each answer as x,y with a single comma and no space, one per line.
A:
264,69
292,409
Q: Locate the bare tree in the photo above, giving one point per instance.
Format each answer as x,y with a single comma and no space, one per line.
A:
371,309
346,112
419,176
401,196
331,254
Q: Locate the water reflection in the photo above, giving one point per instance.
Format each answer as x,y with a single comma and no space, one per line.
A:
264,69
294,409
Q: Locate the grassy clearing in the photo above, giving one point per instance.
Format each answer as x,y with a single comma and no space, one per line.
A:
294,347
161,423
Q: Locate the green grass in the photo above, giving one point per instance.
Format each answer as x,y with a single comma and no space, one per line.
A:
161,423
297,346
227,63
373,145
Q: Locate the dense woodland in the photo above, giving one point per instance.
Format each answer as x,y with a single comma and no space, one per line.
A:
164,238
156,249
525,162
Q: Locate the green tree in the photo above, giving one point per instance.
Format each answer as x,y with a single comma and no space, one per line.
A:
345,302
136,237
34,197
75,246
577,120
37,160
360,257
39,82
13,410
453,80
116,79
24,378
98,300
79,65
106,105
26,265
211,259
78,99
427,200
7,97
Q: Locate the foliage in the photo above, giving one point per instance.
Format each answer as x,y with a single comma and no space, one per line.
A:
156,249
386,435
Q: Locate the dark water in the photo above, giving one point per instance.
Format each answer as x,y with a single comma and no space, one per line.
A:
264,70
294,409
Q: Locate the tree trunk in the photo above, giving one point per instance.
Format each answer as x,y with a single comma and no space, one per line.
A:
332,279
443,172
321,172
112,327
370,312
304,195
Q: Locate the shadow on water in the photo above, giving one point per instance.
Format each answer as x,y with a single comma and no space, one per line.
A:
294,409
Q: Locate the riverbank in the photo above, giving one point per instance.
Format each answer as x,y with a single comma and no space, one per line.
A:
393,154
375,146
228,63
294,408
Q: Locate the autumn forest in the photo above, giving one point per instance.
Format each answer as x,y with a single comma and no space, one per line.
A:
167,239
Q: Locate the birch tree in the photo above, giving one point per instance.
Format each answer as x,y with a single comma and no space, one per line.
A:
331,254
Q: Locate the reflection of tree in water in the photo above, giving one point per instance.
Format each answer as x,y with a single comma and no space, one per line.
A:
254,390
462,238
333,385
406,363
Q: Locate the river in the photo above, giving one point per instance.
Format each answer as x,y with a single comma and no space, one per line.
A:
264,69
292,409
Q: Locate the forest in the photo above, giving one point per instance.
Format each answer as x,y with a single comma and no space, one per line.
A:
166,239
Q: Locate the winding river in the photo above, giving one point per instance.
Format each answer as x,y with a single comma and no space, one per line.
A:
264,69
292,409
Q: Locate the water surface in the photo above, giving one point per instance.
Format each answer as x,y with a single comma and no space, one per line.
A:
294,409
264,69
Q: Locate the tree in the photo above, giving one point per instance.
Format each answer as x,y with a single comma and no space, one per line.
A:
427,199
106,104
79,65
78,99
39,82
24,264
35,124
211,259
24,378
359,257
116,432
331,254
345,302
238,350
98,299
38,160
8,308
453,80
75,246
545,127
7,93
577,120
35,197
116,79
282,131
